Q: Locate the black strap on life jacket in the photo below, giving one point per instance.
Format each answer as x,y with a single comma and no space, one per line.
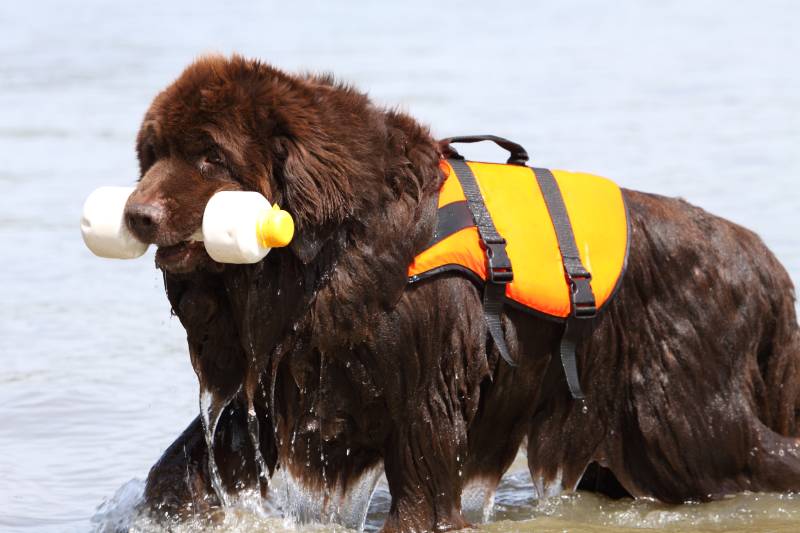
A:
582,301
498,265
517,155
451,219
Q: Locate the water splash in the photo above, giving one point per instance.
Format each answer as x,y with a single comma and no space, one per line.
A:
301,505
247,512
477,500
210,411
119,512
515,511
547,488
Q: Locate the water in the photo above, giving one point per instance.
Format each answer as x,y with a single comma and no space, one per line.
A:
305,508
255,440
210,410
698,99
515,511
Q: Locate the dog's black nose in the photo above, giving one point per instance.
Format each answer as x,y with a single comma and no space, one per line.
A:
144,220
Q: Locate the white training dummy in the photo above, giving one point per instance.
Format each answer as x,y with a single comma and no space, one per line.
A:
238,226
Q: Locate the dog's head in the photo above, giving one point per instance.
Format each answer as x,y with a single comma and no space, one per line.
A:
353,176
236,124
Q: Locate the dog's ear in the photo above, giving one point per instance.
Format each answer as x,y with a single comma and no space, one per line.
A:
316,191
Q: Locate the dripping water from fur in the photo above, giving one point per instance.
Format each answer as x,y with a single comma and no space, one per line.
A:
329,503
254,430
303,505
252,380
210,411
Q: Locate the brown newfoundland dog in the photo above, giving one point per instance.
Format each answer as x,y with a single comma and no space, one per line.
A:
323,363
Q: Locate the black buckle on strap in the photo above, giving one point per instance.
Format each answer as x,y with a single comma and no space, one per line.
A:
499,264
583,302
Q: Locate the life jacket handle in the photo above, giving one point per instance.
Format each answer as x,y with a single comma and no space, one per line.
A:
519,156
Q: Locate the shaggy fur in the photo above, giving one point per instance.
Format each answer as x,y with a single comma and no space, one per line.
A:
326,360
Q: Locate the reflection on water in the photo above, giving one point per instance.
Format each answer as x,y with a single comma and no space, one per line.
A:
695,99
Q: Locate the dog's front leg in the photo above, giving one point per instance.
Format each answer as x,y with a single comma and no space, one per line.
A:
179,484
423,461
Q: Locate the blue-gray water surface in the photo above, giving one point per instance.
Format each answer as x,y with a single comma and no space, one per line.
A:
697,99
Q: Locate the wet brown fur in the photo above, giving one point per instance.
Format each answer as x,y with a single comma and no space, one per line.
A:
691,376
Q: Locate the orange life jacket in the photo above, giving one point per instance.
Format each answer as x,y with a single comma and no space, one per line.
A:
551,242
514,199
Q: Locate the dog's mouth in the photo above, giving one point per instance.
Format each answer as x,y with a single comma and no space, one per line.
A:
183,257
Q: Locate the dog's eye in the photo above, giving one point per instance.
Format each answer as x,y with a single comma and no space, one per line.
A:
212,164
214,158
